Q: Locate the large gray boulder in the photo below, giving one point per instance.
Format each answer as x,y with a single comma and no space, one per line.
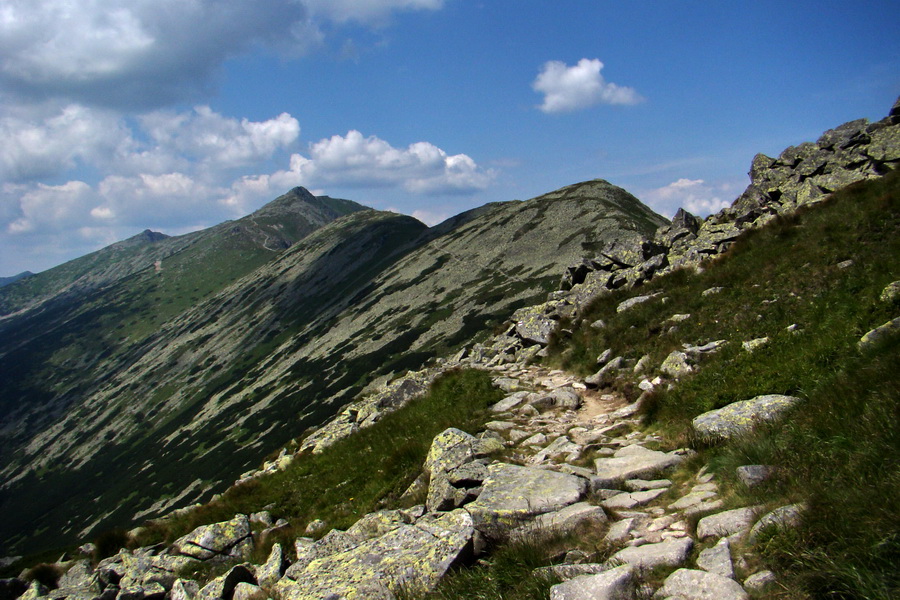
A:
671,553
513,495
615,584
880,333
409,557
740,418
633,462
223,541
451,450
689,584
727,522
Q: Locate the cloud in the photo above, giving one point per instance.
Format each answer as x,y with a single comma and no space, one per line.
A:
694,195
370,162
568,89
366,11
46,146
150,53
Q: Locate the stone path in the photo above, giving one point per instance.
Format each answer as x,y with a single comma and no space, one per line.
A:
651,523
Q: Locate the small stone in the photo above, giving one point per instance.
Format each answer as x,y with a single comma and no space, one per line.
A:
711,291
760,582
676,365
598,324
891,293
753,475
845,264
620,531
755,344
642,485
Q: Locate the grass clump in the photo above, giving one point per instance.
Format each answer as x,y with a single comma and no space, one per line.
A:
506,575
357,475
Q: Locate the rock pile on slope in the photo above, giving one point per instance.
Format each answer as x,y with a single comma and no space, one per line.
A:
801,175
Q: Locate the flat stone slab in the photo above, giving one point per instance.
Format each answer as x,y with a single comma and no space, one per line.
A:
726,523
632,499
671,553
568,519
739,418
689,584
633,462
512,495
615,584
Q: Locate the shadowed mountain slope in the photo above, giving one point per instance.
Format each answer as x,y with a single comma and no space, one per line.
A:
221,382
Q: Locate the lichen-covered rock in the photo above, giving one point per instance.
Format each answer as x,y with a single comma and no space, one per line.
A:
223,586
228,539
739,418
717,559
614,584
631,302
633,462
533,325
671,553
513,495
754,475
726,523
568,519
880,333
689,584
781,518
184,589
271,571
676,365
410,557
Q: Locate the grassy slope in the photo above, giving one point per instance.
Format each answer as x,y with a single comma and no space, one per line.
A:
840,451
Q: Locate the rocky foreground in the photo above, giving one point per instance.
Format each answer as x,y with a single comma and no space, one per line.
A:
545,426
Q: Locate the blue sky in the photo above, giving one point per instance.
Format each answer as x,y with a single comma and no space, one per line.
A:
116,116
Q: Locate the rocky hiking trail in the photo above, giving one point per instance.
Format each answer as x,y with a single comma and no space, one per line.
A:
561,460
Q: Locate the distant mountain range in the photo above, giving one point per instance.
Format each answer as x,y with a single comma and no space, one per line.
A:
152,373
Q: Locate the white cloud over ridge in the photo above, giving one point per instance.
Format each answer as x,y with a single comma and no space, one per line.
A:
694,195
567,89
354,160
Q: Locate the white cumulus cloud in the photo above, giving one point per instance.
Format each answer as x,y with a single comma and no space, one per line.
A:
568,89
694,195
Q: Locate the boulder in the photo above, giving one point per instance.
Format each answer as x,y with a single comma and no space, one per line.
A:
726,523
533,325
513,495
633,462
689,584
671,553
754,475
614,584
184,589
780,518
676,365
222,541
271,571
891,292
879,334
717,559
568,519
629,500
410,557
760,582
224,585
739,418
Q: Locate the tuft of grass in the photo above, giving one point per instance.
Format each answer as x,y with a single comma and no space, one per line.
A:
505,575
